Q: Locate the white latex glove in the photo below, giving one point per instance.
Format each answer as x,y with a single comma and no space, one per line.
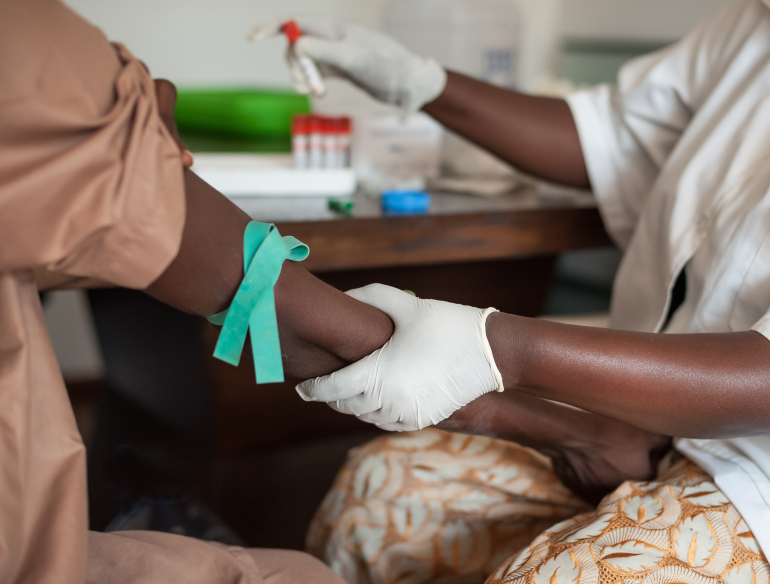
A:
437,361
373,61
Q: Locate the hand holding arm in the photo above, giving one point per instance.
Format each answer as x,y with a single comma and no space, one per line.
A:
435,363
696,386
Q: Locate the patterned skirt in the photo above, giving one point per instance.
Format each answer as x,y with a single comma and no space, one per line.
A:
432,506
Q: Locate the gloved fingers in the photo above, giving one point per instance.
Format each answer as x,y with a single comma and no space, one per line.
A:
380,419
391,301
360,405
376,417
340,385
397,427
325,51
328,70
265,30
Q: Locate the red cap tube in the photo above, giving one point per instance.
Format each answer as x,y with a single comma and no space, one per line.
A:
292,31
315,124
300,124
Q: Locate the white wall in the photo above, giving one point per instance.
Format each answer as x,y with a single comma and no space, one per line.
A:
204,41
634,20
195,42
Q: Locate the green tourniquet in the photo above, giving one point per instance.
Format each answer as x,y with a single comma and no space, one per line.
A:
253,308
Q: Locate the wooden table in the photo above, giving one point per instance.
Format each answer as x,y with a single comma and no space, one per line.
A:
458,228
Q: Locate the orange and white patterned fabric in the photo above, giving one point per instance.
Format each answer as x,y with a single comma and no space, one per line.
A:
431,506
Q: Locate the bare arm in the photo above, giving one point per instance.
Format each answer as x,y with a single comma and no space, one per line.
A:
698,386
535,134
321,328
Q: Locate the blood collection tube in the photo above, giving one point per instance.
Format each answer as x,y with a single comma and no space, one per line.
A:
343,142
309,69
315,142
330,143
299,140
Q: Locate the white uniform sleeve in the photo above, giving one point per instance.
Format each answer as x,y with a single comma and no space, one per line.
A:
628,130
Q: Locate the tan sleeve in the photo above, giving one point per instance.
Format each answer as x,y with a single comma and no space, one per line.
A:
91,182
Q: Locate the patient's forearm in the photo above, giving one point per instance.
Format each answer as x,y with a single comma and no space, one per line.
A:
321,328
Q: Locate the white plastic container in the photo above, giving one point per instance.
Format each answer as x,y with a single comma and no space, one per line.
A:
510,43
396,151
238,175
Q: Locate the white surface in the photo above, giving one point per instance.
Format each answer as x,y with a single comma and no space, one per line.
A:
73,335
255,175
677,159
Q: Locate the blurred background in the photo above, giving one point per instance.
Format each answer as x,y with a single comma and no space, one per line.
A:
178,443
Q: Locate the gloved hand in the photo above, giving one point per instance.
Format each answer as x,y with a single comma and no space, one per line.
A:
371,60
437,361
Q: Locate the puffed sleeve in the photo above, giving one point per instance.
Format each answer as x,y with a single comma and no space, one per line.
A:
91,182
627,131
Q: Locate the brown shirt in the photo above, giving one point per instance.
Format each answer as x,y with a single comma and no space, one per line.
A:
90,184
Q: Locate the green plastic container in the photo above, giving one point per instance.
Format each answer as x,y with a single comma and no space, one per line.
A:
238,120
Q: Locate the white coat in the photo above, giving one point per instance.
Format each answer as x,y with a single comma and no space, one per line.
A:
678,154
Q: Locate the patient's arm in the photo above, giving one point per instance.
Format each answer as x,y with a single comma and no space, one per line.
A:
321,328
